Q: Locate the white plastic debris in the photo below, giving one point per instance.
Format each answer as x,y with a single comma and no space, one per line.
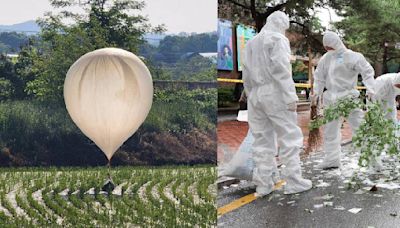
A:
324,197
355,210
280,204
291,202
377,195
323,185
340,208
359,192
390,186
64,192
316,206
309,210
90,192
118,189
75,192
328,204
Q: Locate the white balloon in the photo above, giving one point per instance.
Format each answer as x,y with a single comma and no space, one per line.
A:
108,94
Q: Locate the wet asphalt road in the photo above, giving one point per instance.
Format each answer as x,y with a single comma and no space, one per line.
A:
380,208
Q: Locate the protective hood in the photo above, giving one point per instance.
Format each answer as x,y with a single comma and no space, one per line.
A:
278,21
332,40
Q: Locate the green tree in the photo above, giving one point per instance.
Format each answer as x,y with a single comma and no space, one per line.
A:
6,89
12,41
11,84
373,28
302,17
171,48
104,23
196,68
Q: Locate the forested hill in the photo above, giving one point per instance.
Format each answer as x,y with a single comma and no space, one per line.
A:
167,49
10,42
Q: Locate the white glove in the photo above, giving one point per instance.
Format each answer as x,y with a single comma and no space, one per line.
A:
292,107
314,99
370,95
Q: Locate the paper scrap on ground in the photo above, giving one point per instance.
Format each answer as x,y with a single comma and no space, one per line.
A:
318,206
323,185
340,208
355,210
324,197
328,204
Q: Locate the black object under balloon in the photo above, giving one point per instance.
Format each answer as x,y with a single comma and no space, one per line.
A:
108,185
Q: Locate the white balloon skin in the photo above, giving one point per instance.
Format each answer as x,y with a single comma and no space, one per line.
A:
108,94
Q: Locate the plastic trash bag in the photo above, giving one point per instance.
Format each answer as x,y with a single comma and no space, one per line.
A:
242,164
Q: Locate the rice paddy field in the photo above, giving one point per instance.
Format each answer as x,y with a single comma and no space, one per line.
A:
143,197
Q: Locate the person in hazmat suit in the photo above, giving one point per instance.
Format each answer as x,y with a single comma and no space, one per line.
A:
337,72
271,101
387,89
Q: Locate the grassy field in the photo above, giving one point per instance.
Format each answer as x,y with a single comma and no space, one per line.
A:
144,197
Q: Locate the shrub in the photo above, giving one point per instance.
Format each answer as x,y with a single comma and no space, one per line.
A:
43,134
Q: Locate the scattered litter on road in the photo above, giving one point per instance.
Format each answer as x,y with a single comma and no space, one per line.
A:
318,206
394,214
390,186
322,184
340,208
355,210
328,204
309,210
377,195
291,202
324,197
359,192
280,204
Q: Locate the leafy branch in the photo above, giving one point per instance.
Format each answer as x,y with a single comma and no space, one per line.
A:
376,133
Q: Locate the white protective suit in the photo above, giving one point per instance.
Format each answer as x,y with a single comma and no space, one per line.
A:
386,92
337,71
268,82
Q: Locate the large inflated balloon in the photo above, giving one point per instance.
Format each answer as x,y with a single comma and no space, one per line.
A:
108,94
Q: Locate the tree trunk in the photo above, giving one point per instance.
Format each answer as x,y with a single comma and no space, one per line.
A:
259,23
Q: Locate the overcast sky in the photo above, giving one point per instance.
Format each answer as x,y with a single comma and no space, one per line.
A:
178,15
327,15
